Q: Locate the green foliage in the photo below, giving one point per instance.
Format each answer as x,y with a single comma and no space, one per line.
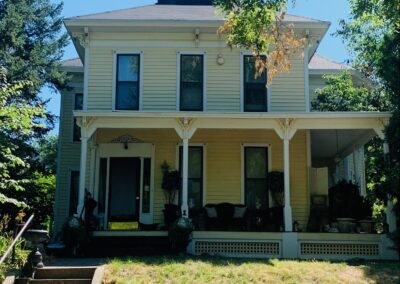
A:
340,94
180,234
258,26
373,35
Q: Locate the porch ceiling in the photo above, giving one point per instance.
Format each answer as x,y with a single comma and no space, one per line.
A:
327,143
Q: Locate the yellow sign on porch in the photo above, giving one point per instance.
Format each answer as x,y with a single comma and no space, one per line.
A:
123,226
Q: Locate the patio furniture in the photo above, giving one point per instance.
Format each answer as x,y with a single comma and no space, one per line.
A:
225,216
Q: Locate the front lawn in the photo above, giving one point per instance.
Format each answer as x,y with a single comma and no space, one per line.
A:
223,270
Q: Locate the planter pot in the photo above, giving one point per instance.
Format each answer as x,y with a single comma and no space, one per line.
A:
344,224
171,214
367,226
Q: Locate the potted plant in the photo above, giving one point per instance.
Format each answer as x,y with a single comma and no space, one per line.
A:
171,185
276,187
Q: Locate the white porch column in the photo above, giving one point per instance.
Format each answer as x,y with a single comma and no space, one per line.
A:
82,172
287,211
185,175
185,130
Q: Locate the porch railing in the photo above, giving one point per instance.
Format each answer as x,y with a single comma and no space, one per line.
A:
16,239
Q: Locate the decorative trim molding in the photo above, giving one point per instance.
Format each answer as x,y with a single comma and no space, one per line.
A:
126,138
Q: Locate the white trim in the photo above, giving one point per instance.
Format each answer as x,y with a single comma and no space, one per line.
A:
86,79
242,164
114,74
204,146
178,77
157,43
135,150
268,87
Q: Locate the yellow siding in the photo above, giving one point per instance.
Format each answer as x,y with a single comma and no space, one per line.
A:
223,162
69,152
160,71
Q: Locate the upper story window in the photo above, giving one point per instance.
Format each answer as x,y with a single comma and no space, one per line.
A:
192,83
78,105
255,92
127,82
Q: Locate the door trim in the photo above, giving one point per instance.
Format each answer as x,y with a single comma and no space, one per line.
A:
135,150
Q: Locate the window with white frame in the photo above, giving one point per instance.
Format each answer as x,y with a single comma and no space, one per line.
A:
255,92
256,177
73,192
191,89
195,176
78,105
127,92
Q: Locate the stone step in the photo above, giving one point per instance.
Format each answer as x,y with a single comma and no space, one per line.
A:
61,281
65,273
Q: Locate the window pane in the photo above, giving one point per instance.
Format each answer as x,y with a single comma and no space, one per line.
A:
255,98
256,193
102,185
74,192
146,185
76,132
195,193
78,102
192,68
192,96
256,162
128,95
195,162
128,68
250,71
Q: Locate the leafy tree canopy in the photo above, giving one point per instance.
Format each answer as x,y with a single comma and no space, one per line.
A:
258,26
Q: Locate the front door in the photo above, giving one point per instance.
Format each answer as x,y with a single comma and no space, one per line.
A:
124,190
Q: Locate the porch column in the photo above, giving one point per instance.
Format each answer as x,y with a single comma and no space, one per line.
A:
390,215
288,208
185,174
82,172
286,131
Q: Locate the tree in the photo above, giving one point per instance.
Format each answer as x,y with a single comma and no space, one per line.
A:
31,46
373,36
17,121
258,26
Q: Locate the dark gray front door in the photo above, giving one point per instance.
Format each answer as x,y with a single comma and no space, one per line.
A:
124,189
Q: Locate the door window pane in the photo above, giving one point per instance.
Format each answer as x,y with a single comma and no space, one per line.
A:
191,88
255,91
127,89
256,173
146,185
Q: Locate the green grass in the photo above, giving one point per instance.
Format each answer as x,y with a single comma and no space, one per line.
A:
187,269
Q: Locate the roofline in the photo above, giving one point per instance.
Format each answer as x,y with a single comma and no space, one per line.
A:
237,115
172,23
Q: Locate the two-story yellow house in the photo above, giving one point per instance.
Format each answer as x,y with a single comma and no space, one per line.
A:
156,84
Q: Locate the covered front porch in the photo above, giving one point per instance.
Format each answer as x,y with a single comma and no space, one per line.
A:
214,154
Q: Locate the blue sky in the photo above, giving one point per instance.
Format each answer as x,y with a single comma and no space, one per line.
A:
327,10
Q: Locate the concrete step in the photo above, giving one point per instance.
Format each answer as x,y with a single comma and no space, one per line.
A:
65,273
61,281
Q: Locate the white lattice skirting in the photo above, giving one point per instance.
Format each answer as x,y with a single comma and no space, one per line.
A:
238,248
339,249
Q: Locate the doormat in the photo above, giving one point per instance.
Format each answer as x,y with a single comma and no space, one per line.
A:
123,226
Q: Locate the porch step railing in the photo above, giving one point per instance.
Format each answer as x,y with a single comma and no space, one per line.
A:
16,239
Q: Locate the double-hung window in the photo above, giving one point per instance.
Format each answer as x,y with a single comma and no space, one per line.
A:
78,105
191,82
127,82
255,177
195,176
73,192
255,90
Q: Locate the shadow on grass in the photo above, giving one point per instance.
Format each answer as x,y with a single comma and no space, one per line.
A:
381,272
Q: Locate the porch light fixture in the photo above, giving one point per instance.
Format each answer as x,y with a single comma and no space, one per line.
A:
126,145
220,59
197,37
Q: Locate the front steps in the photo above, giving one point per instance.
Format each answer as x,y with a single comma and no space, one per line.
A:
64,275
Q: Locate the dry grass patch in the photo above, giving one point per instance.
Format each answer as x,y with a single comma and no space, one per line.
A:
223,270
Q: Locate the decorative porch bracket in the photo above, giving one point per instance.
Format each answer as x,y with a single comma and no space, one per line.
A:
286,131
185,130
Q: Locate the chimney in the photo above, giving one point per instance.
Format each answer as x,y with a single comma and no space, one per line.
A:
185,2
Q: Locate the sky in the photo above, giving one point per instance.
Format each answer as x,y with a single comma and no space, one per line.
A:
327,10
